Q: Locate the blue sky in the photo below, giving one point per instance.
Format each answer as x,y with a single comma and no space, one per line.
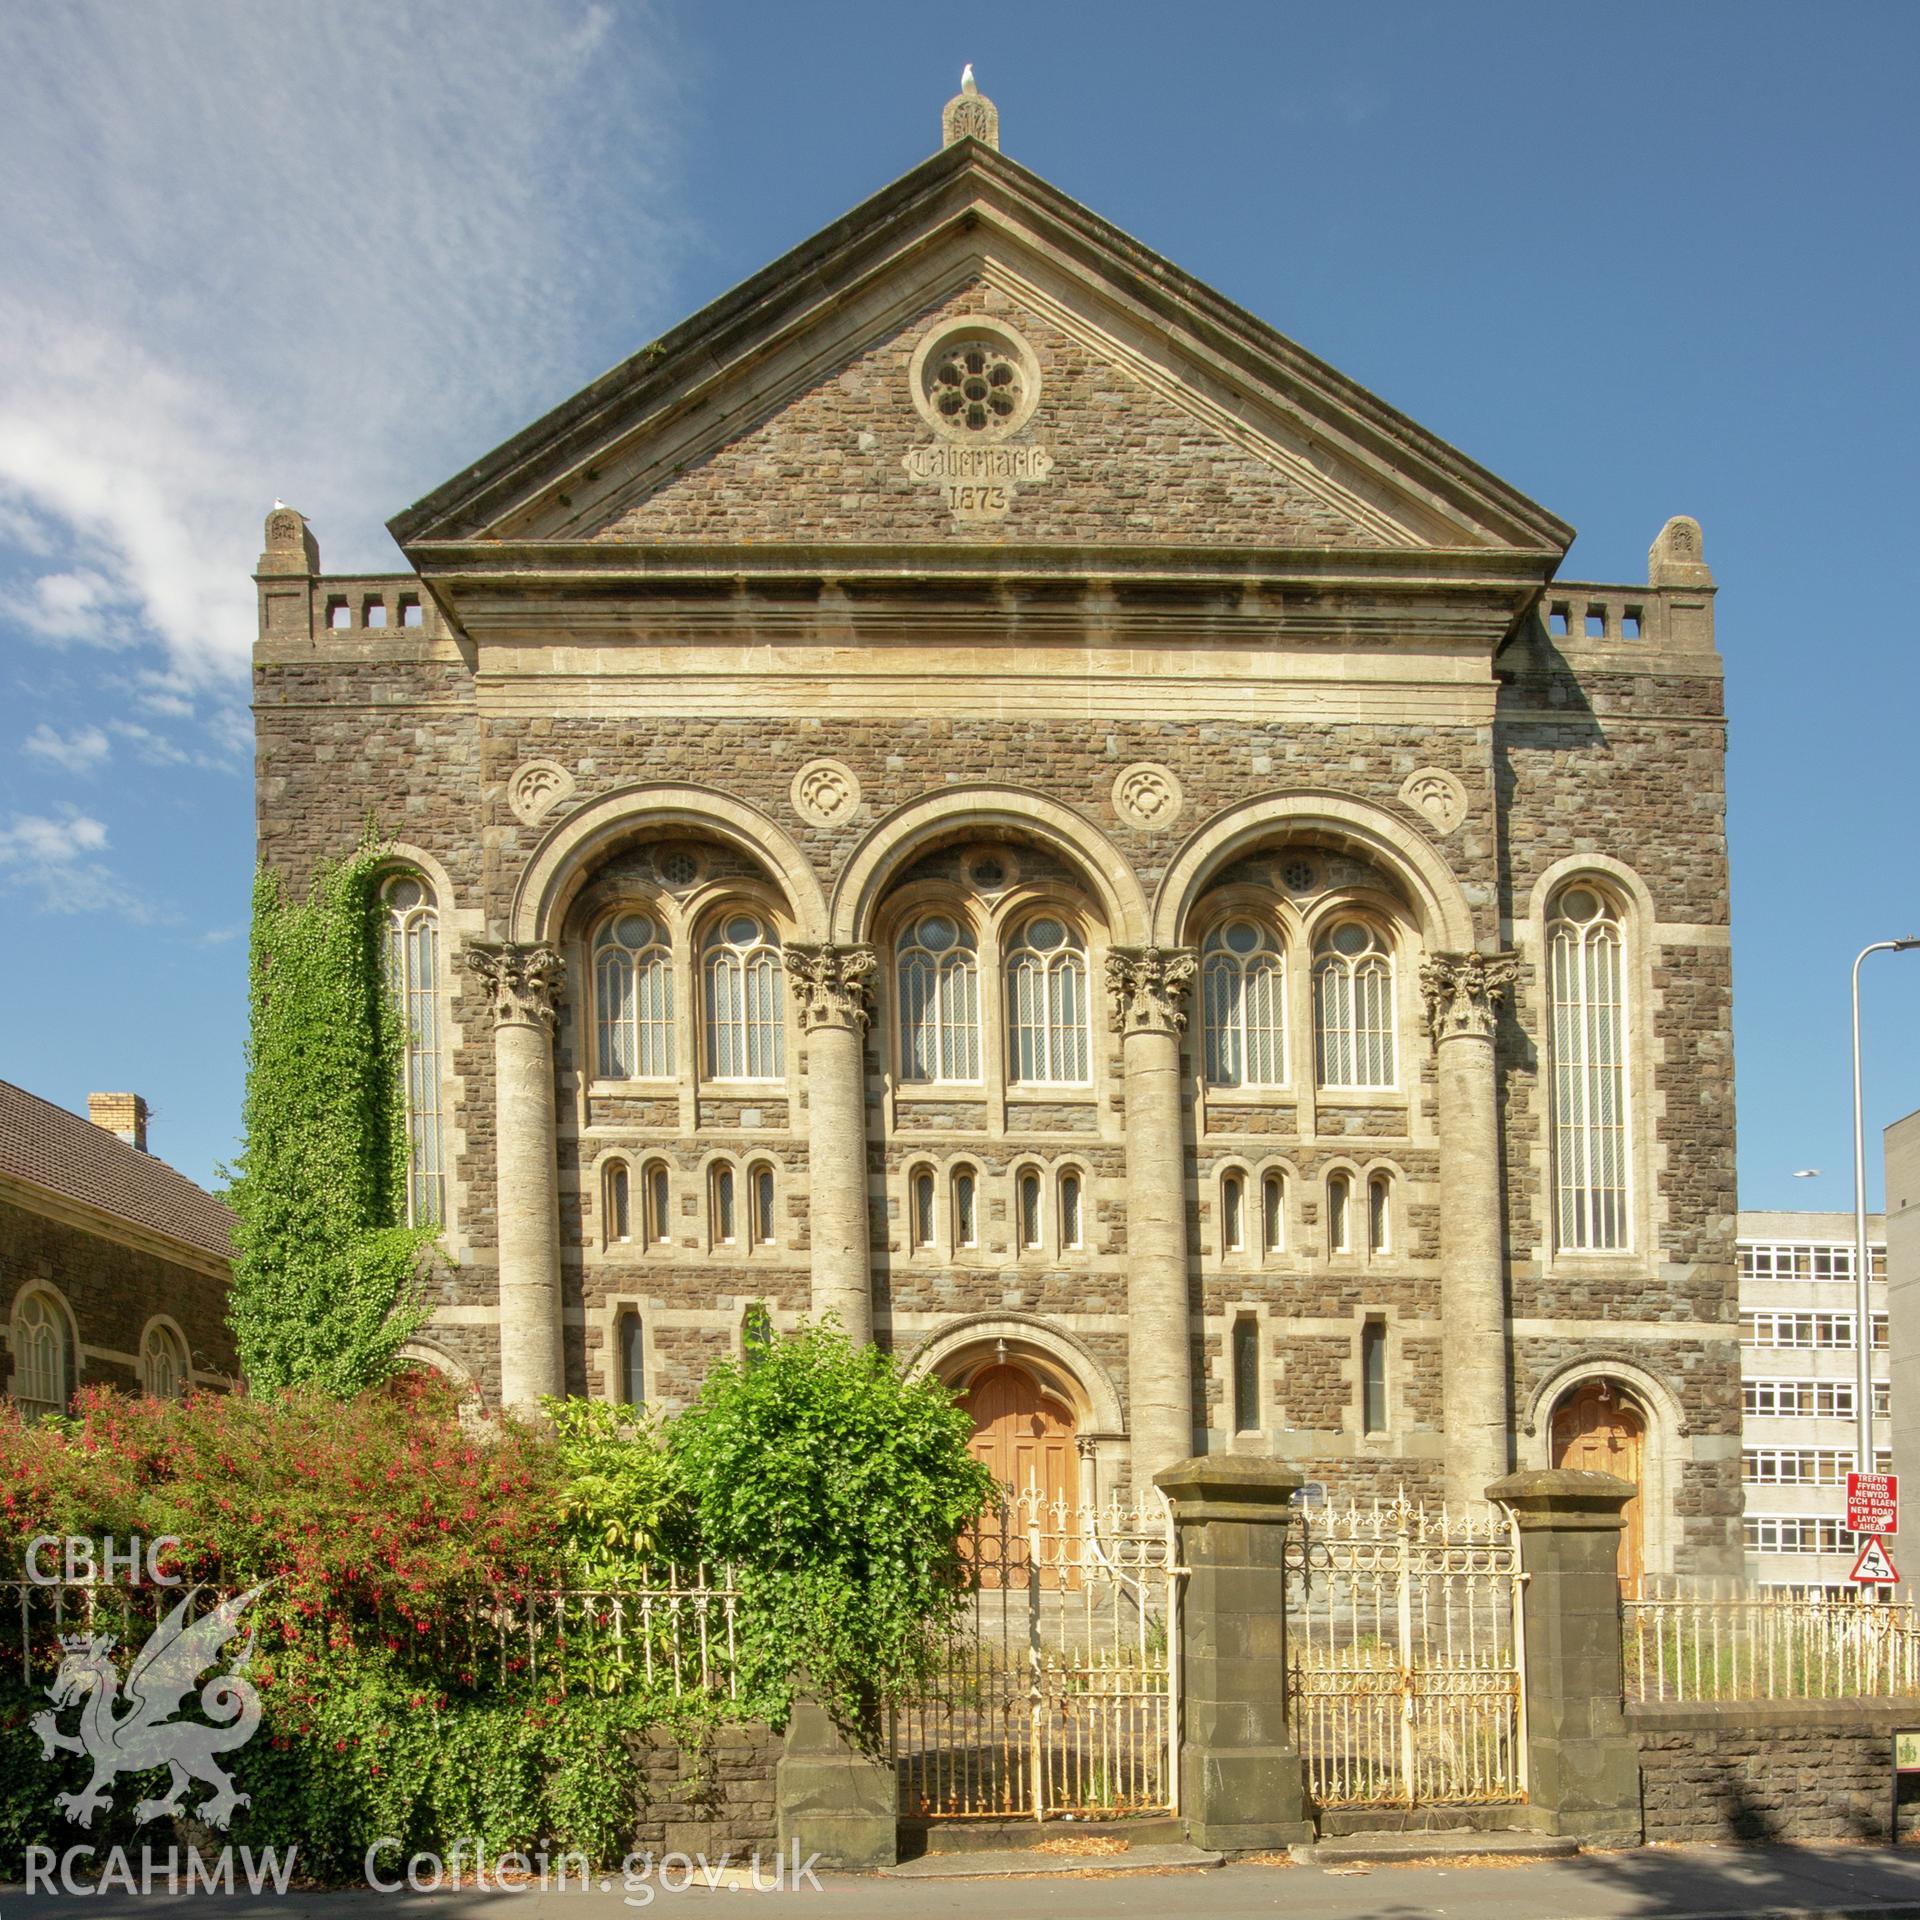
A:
1638,259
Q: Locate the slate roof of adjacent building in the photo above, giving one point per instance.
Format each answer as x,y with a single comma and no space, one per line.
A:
49,1147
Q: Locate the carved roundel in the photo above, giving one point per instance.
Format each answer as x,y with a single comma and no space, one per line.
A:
1438,796
536,788
825,792
974,378
1147,794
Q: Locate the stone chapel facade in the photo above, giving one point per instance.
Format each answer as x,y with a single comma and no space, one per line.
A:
975,788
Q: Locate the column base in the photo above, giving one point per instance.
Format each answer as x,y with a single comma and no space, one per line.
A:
833,1800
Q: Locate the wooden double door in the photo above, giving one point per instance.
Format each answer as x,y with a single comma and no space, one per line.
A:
1026,1438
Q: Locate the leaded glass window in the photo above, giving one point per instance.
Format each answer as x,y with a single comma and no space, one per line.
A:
746,1033
1047,1003
1587,984
633,995
1243,1004
1353,1007
939,981
411,938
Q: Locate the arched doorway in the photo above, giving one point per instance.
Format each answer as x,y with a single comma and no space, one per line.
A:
1025,1437
1599,1428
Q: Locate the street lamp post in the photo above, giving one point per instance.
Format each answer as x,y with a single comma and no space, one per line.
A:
1862,1264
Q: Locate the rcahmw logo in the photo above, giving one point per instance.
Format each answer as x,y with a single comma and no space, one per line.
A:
137,1725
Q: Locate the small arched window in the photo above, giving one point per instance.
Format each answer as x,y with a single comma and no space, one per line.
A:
1233,1213
1353,1006
410,929
632,1347
1379,1214
761,1184
966,1208
1339,1213
1246,1374
1047,1003
42,1362
1244,1006
163,1363
633,993
659,1215
1273,1213
921,1195
1071,1229
617,1191
1588,1041
1031,1225
746,1032
939,978
720,1189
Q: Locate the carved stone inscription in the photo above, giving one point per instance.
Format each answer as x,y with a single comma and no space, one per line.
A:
979,482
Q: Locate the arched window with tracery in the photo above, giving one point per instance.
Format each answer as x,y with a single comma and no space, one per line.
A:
1243,1002
163,1363
1047,1003
939,979
1588,1036
1353,1022
410,932
746,1031
42,1359
633,993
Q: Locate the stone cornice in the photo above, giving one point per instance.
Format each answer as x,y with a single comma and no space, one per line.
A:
110,1226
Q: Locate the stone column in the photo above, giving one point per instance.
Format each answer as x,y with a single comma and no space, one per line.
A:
832,995
1583,1765
1242,1785
1147,1001
1463,992
523,985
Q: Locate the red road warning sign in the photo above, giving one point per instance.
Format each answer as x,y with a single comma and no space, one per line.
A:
1873,1503
1875,1566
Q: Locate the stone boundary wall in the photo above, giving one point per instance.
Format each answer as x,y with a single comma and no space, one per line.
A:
1762,1771
710,1793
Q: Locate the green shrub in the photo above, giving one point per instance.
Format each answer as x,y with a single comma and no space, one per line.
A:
838,1488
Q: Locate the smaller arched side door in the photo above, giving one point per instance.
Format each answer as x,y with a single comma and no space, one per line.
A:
1598,1429
1025,1438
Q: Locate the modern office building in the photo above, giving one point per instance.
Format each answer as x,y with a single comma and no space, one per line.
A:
1798,1365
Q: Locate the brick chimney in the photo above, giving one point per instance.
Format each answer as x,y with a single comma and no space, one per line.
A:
124,1115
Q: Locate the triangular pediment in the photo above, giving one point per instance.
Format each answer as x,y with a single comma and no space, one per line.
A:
806,408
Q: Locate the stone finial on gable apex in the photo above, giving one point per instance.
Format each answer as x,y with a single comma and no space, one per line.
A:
1677,557
970,115
290,545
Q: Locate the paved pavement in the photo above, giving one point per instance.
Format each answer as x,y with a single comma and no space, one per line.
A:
1741,1884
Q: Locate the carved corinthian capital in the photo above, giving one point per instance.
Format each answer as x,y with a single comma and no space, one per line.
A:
522,983
832,986
1463,992
1147,988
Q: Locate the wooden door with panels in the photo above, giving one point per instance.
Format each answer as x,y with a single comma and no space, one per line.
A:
1598,1429
1025,1436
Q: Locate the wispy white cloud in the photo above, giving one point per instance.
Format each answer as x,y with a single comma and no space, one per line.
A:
328,253
51,857
82,751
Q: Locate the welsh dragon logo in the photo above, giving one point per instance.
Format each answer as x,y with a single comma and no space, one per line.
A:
128,1728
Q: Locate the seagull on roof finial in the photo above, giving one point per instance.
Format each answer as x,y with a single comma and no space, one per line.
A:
966,79
970,115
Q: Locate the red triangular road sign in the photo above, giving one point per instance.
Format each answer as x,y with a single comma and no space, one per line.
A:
1874,1568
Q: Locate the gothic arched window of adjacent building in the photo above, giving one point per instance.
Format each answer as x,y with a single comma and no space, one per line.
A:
1588,1040
42,1360
1047,1003
922,1200
939,979
746,1032
411,939
617,1202
633,992
163,1363
1243,1003
1353,1006
659,1217
1071,1195
966,1206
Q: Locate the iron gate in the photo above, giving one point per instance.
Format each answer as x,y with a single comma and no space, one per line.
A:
1407,1658
1058,1694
